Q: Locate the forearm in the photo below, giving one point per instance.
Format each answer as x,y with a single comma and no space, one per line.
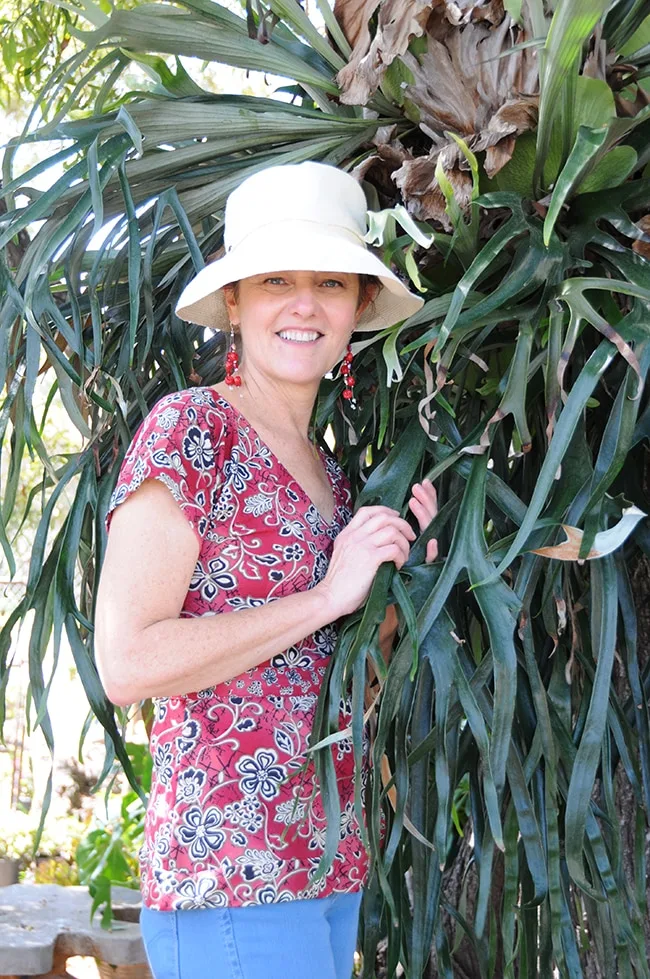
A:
176,656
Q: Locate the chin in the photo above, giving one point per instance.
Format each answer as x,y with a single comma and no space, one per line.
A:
299,378
290,371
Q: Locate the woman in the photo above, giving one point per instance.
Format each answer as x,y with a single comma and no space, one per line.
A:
223,504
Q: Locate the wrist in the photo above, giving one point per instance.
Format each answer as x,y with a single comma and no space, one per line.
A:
324,605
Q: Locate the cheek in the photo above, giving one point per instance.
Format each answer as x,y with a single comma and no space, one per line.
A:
343,314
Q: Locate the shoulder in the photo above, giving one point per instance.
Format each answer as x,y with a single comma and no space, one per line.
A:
190,403
190,410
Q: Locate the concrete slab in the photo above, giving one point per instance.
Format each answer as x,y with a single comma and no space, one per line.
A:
41,923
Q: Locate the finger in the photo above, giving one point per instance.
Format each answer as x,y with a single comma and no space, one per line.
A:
388,518
390,552
390,535
425,493
432,551
365,513
426,490
388,538
420,512
368,518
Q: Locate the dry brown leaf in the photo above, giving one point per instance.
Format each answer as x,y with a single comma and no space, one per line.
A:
463,11
380,167
425,414
643,247
569,549
498,140
386,776
438,90
353,17
461,85
398,22
421,191
596,65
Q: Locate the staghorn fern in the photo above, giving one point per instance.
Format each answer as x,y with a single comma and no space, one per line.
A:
504,733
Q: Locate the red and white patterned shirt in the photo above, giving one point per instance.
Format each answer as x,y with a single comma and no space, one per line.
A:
234,818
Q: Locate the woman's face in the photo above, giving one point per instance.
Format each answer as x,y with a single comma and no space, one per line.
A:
295,325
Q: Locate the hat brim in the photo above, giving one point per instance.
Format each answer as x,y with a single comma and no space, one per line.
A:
202,301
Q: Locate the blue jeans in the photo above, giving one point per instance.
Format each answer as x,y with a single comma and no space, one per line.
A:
287,940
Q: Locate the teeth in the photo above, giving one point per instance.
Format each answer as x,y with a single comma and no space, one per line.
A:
302,336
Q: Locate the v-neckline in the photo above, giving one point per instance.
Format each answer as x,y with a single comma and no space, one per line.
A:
327,524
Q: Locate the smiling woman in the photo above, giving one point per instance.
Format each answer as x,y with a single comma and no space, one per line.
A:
259,522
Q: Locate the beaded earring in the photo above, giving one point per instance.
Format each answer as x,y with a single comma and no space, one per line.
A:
233,377
347,375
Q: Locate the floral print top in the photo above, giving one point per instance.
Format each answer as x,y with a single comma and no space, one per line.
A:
234,815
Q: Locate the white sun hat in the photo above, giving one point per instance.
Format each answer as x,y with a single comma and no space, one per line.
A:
303,217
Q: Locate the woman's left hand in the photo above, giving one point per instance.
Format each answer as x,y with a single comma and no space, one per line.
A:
424,507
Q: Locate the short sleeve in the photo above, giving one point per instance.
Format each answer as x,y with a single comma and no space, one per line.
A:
178,443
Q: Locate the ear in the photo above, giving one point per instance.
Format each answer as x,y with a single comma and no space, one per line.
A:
231,303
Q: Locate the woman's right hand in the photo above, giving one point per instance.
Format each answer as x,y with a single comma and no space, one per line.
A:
375,534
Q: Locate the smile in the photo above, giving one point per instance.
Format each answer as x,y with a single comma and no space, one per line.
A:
300,336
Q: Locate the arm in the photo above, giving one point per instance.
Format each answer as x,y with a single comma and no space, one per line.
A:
144,649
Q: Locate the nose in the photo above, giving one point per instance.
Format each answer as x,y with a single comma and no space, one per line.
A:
303,300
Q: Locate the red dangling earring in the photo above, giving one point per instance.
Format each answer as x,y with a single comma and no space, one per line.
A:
348,376
233,377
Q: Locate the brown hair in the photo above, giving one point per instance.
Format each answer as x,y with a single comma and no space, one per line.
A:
369,288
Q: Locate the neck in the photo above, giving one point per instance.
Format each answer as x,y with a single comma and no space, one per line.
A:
276,405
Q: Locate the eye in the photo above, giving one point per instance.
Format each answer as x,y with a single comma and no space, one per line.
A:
275,280
333,283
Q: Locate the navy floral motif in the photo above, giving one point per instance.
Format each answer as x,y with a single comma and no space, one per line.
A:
292,528
189,784
246,813
198,448
201,832
162,759
259,863
293,552
235,816
283,741
210,579
269,895
290,812
189,736
261,774
293,656
236,472
258,504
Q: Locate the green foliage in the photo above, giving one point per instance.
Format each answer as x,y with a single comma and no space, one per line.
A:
108,853
56,870
39,45
503,732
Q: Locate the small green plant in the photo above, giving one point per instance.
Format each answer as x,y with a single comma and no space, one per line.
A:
108,853
56,870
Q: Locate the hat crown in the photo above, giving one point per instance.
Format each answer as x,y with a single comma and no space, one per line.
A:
310,192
